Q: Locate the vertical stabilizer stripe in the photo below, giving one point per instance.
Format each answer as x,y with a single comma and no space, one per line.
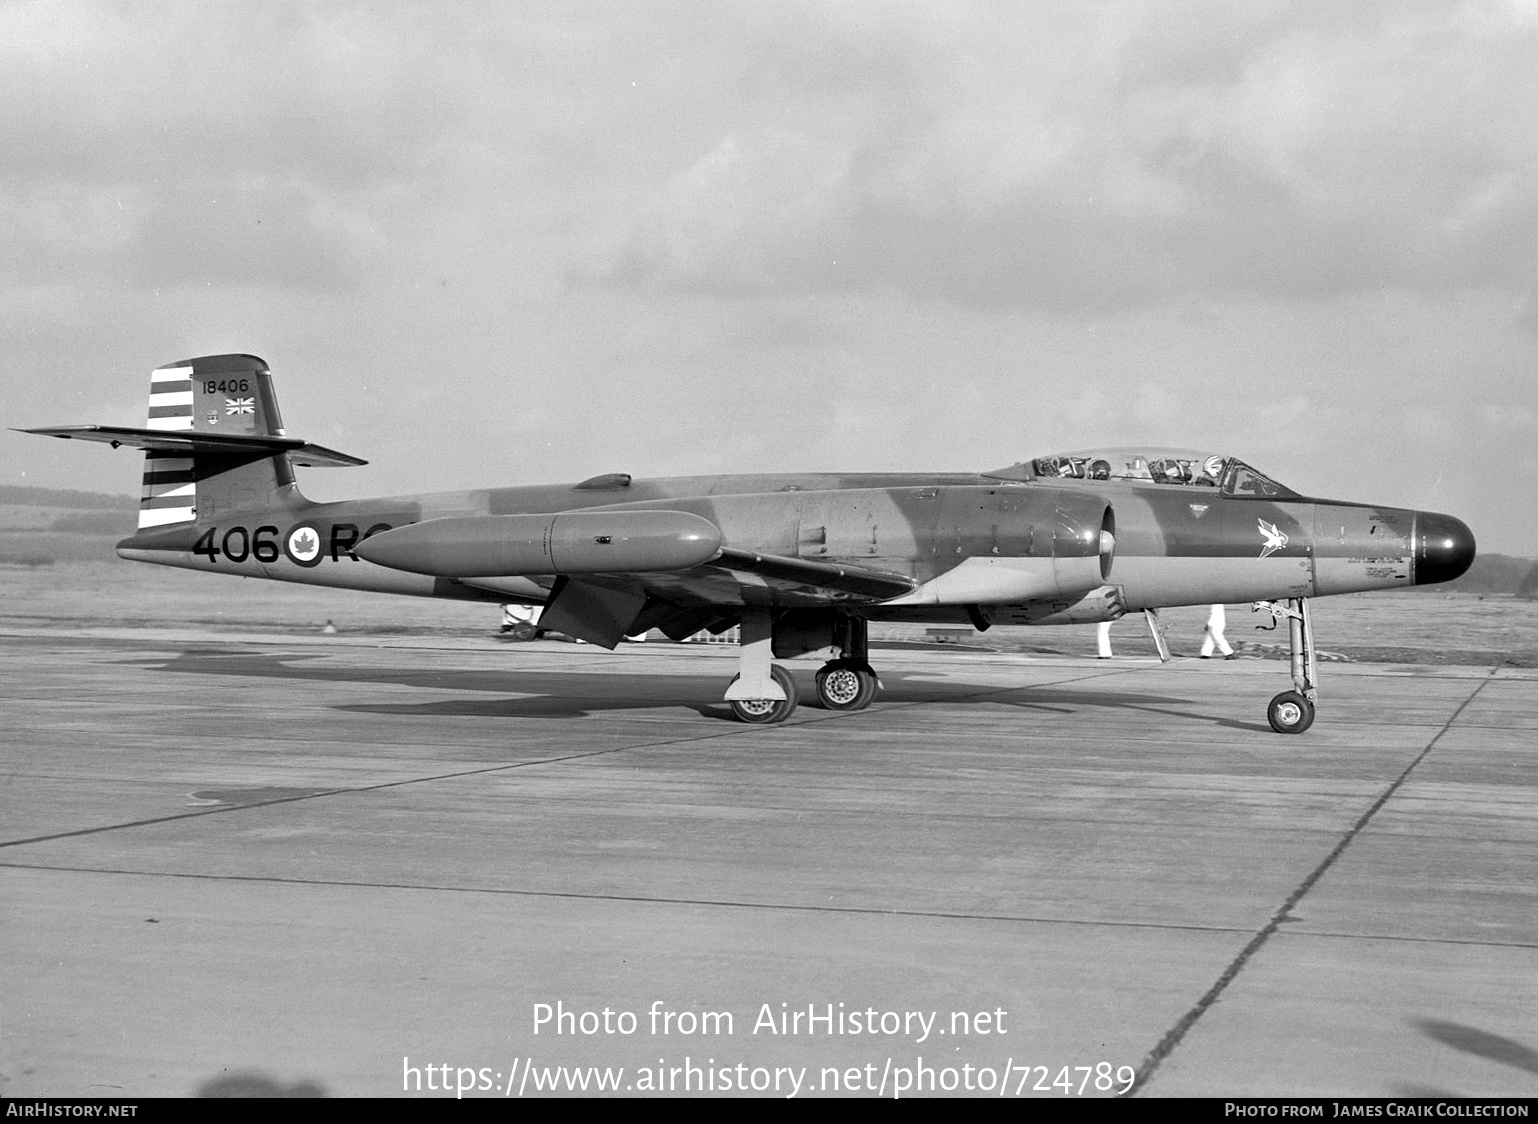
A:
159,517
158,476
170,486
158,492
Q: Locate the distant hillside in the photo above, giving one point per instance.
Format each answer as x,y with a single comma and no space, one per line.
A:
42,526
1529,586
117,523
62,497
1490,573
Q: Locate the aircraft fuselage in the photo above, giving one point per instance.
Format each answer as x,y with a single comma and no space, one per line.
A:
921,526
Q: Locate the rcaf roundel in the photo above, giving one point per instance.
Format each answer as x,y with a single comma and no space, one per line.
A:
302,545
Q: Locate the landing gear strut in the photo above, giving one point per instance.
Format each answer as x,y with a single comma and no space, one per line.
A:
1292,712
761,693
849,682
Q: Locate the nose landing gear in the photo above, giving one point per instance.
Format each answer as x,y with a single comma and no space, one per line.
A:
1292,712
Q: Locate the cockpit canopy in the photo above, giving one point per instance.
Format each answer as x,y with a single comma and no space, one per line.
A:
1189,468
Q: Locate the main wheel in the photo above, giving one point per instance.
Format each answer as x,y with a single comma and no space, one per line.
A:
764,712
1290,713
845,686
524,631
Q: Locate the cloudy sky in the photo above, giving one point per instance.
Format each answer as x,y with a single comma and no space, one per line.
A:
509,243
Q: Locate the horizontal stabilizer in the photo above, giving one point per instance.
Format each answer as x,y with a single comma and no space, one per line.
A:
190,443
875,584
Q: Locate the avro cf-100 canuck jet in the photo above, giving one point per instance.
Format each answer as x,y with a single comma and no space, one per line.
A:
802,563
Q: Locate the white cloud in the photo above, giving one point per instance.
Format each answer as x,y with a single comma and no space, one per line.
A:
1102,162
753,207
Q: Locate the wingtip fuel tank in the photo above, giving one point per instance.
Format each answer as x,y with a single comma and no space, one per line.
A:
573,542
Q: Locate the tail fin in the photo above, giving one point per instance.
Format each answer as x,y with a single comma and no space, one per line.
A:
214,442
215,394
228,395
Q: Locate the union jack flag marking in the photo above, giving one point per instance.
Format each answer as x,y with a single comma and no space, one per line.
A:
240,405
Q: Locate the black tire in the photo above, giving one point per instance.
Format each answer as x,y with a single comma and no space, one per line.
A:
766,712
844,686
1290,713
524,632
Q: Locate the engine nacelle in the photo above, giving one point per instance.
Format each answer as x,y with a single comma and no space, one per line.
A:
1078,533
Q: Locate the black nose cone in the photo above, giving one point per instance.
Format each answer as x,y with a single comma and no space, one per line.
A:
1444,548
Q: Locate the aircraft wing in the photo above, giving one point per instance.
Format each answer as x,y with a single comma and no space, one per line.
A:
187,442
618,572
798,574
603,607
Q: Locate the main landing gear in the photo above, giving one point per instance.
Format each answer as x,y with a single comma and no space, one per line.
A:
846,685
849,682
764,712
1292,712
761,693
764,693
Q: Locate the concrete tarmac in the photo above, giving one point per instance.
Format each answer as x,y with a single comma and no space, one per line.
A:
356,867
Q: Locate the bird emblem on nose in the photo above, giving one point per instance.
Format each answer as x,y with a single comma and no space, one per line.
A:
1275,539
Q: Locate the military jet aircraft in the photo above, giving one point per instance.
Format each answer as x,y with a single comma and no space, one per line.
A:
801,562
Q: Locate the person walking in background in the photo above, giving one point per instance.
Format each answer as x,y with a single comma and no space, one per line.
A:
1212,635
1104,639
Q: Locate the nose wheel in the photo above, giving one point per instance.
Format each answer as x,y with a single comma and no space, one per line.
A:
846,685
1290,713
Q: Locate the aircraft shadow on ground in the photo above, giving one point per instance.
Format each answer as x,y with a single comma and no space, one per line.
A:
1481,1043
547,694
253,1083
1470,1040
